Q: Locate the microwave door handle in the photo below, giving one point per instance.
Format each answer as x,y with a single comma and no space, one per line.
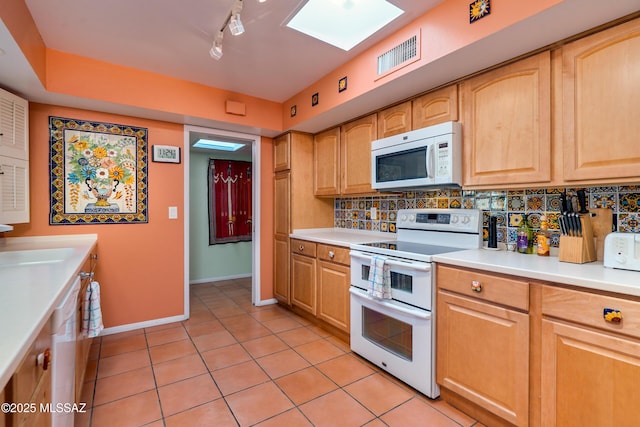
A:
431,160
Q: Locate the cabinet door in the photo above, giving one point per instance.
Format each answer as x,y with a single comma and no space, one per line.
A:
507,124
326,163
355,155
394,120
282,203
600,114
282,153
14,190
588,377
436,107
333,294
14,126
303,282
483,355
281,268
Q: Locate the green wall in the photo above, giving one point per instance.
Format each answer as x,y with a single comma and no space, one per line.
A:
215,262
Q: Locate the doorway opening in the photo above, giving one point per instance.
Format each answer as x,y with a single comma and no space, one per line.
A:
205,262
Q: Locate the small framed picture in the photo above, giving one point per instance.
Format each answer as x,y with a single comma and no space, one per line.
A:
342,84
293,111
314,99
166,154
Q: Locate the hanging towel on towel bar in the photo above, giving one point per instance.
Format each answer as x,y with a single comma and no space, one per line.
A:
379,278
91,312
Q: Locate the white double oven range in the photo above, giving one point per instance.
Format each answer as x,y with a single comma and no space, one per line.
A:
398,334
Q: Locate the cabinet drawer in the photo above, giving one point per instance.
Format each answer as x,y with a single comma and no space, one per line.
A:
487,287
303,247
336,254
589,309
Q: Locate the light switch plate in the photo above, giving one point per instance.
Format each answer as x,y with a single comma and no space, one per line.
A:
374,213
173,212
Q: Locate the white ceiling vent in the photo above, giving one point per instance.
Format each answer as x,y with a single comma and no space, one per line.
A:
399,56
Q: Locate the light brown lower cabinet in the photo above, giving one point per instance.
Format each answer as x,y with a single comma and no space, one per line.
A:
30,385
320,280
513,352
334,279
483,346
590,366
303,275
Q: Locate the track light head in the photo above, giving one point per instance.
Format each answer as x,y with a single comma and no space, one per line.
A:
235,25
216,49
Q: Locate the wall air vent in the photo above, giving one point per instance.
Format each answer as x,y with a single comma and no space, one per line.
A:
403,54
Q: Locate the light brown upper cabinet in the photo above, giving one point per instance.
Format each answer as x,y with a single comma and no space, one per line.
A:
282,153
355,154
326,163
600,112
394,120
435,107
341,158
507,125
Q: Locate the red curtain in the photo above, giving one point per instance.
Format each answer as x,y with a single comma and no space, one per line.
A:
230,201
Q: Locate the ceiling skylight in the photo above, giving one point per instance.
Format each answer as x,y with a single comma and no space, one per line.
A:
218,145
343,23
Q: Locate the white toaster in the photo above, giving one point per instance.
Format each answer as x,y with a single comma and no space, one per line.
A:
622,250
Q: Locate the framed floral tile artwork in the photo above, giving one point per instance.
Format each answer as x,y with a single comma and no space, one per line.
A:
98,172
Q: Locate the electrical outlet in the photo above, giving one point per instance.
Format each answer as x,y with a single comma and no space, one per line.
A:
173,212
374,213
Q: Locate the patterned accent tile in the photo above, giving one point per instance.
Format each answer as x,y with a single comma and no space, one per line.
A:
455,203
629,202
515,202
629,222
535,203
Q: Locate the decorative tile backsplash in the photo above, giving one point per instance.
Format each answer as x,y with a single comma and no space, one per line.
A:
508,206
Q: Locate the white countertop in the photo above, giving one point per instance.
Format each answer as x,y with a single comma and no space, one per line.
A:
30,293
592,275
341,236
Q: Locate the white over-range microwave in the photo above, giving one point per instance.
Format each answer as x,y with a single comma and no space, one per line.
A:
422,158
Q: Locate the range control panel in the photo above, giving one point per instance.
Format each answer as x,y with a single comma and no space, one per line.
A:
459,220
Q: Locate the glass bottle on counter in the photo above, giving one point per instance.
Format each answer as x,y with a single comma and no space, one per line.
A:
544,239
522,242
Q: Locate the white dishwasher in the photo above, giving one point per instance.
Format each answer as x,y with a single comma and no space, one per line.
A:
63,327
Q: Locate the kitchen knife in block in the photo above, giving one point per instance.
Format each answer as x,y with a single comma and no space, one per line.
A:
579,249
602,224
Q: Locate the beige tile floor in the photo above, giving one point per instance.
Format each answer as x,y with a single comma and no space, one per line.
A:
233,364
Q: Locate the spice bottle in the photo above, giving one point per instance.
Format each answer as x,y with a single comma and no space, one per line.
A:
544,239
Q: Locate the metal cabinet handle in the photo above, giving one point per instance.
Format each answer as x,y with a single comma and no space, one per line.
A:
476,286
301,248
612,315
331,254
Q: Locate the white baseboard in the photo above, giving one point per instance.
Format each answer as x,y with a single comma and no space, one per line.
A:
267,302
219,279
145,324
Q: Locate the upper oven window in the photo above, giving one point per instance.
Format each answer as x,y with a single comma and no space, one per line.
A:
399,281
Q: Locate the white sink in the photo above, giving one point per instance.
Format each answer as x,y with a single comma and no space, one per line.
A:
34,257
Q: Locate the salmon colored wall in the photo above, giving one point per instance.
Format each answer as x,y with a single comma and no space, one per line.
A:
266,219
442,30
140,266
88,78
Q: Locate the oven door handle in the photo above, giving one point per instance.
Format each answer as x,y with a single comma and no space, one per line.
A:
421,314
408,265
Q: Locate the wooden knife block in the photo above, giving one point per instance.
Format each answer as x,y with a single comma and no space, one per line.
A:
579,250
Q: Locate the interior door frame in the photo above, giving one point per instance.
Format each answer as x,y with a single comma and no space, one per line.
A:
255,202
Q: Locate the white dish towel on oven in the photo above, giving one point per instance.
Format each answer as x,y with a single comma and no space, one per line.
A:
379,278
91,311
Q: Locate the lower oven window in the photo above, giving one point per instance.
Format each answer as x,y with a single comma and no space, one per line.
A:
391,334
399,281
